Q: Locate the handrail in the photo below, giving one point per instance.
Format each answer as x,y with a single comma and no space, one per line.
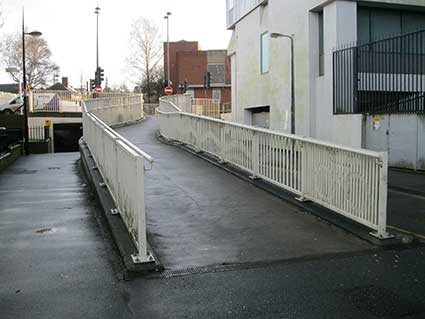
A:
264,130
121,138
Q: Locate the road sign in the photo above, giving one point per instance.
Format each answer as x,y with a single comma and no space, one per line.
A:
168,90
98,89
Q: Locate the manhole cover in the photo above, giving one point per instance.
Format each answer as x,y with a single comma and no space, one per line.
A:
54,168
44,231
383,303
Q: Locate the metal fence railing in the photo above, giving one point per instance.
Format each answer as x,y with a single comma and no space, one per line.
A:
385,76
121,163
38,133
56,101
206,107
351,182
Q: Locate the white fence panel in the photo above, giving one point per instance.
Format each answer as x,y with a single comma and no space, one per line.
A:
120,163
351,182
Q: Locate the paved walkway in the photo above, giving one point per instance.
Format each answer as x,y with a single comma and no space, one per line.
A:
200,215
54,261
406,201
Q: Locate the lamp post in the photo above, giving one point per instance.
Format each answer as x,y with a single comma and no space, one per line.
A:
167,17
290,37
97,12
24,80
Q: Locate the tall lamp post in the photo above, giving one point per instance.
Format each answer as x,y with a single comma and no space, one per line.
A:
290,37
97,12
24,80
167,17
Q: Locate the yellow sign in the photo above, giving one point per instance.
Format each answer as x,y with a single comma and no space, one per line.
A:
377,118
47,123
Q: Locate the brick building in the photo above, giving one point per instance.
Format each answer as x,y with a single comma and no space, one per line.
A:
189,63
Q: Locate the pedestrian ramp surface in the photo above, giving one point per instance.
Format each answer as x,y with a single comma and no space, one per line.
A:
200,215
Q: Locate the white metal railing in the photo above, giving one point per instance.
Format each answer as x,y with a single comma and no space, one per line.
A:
117,109
351,182
37,133
56,101
121,163
206,107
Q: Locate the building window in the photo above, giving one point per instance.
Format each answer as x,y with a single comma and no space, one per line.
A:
376,23
216,94
218,73
321,46
265,54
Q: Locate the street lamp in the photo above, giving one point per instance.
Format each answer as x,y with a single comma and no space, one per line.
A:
97,12
290,37
24,79
167,17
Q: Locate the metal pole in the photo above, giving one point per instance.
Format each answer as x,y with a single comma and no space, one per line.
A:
168,49
24,71
292,87
97,37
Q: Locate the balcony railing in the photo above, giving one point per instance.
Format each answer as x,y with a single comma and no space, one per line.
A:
385,76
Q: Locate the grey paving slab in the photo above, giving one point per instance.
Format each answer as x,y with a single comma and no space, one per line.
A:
200,215
54,260
406,201
407,180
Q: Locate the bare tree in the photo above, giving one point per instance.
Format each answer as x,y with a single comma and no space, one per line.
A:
40,67
145,56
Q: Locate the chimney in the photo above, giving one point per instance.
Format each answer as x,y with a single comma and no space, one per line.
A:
65,81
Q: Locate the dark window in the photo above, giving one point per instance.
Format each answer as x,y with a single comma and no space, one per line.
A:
375,23
321,45
218,73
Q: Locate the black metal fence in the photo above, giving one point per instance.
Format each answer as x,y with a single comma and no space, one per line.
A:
385,76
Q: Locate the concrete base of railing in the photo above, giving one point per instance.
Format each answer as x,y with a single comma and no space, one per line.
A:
308,206
122,239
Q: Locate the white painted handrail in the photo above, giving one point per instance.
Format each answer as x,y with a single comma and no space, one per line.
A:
120,162
349,181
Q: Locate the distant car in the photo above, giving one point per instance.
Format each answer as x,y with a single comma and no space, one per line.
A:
13,106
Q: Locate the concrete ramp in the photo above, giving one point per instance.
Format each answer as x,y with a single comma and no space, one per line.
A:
200,215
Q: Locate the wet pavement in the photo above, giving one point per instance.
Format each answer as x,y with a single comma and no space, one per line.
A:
406,202
54,261
200,215
57,260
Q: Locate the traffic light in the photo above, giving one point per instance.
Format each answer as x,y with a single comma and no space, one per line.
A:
185,86
99,76
208,79
92,84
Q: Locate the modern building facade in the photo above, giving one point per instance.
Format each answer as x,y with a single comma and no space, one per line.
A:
359,71
189,63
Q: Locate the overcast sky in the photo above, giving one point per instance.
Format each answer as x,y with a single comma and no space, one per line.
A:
69,28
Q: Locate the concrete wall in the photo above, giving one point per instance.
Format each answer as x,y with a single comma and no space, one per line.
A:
402,135
314,93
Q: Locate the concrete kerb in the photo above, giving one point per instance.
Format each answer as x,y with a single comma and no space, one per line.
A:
117,228
310,207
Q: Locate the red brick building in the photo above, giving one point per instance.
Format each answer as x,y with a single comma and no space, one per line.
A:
189,63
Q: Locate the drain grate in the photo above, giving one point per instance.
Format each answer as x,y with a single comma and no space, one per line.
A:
383,303
17,171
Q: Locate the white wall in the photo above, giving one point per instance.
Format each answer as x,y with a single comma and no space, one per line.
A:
314,95
402,135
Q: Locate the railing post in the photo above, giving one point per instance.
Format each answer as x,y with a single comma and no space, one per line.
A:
304,174
255,155
381,232
142,255
222,143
